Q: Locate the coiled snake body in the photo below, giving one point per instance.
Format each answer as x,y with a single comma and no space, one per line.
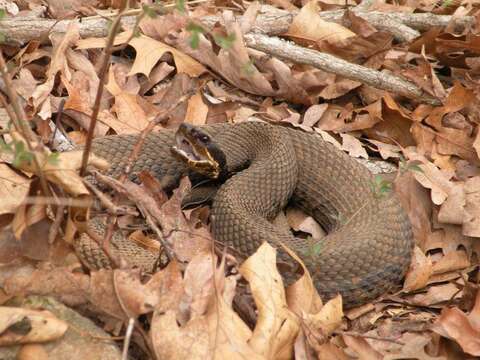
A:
369,242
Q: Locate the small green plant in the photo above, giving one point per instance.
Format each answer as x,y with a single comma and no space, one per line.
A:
248,68
404,166
149,11
180,6
381,187
225,42
314,249
447,3
53,158
18,150
195,31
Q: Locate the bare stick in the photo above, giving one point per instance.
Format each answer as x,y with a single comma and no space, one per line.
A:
271,21
102,76
20,123
128,337
380,80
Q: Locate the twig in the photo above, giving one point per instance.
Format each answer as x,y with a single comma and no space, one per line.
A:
373,337
111,207
20,123
270,21
300,55
54,228
128,168
102,77
128,337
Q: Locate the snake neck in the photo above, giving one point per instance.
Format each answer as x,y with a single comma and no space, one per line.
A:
245,144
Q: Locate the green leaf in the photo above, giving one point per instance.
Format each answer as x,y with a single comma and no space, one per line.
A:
149,11
195,31
53,158
5,147
380,187
415,167
2,13
316,248
192,27
225,42
180,6
248,68
194,40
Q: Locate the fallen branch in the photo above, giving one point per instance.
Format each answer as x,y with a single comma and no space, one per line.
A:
329,63
270,21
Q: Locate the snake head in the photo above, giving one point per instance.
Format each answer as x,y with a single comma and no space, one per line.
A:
196,148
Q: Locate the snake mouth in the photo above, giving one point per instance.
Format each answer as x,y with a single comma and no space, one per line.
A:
193,146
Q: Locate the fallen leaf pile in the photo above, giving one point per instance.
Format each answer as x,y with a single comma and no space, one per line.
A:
397,81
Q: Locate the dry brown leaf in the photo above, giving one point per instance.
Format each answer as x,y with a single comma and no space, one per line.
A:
327,320
455,325
32,352
219,334
26,216
236,65
131,118
197,110
199,283
149,52
13,189
214,331
299,221
435,295
63,169
37,326
432,177
386,150
58,64
452,210
362,348
471,222
277,327
310,26
451,261
420,271
353,146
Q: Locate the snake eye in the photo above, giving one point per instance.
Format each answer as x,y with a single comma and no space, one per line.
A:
205,138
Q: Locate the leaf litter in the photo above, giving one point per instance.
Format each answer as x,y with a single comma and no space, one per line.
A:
190,308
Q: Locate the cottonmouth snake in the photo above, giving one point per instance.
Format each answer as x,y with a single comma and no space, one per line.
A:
369,242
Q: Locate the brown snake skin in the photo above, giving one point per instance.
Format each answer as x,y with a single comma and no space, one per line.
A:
369,242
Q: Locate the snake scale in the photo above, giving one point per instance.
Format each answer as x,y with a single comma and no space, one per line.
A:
369,243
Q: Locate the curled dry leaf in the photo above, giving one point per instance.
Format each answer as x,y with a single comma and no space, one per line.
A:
62,169
362,348
58,63
299,221
20,326
421,269
321,325
277,327
199,283
13,189
471,223
121,293
213,329
432,177
131,117
464,329
149,52
239,66
353,146
309,26
197,110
